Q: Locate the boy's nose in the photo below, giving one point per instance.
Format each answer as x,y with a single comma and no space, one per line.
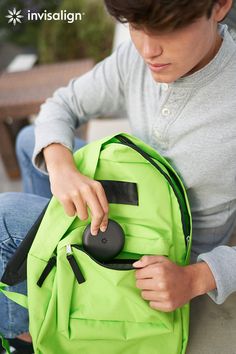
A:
151,48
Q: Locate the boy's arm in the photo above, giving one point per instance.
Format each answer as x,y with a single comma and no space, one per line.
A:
99,92
222,263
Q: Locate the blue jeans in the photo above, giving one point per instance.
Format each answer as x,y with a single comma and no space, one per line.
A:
34,181
18,212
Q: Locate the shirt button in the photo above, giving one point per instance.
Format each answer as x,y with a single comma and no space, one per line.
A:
163,148
158,135
165,111
165,87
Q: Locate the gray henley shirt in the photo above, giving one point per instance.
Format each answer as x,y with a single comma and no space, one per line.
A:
192,122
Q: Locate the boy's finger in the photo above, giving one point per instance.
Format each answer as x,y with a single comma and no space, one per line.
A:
97,213
102,198
69,207
104,203
147,260
81,208
104,223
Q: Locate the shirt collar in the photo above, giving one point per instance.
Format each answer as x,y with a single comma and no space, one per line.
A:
215,66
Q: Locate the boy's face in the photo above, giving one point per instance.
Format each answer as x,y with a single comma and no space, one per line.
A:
179,53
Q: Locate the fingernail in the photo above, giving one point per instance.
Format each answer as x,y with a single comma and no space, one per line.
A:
103,228
94,232
137,264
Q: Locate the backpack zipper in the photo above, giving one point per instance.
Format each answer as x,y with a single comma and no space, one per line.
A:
116,264
74,265
183,208
49,266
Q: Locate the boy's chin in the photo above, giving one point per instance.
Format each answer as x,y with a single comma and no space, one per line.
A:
167,79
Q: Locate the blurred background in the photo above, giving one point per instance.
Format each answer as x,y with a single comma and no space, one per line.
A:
54,41
43,55
63,50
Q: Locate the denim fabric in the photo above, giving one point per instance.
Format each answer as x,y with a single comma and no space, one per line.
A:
18,212
34,181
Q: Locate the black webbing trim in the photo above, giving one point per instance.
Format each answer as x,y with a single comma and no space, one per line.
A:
51,263
118,192
76,269
16,269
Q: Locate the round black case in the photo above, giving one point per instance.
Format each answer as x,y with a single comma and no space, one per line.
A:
106,245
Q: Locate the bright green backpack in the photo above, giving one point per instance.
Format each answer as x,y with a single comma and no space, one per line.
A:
91,307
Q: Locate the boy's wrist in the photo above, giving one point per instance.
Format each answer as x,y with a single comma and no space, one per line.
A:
201,279
58,158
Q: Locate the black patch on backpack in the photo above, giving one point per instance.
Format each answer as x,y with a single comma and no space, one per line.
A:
120,192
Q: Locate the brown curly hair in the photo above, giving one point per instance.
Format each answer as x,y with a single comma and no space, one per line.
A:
159,15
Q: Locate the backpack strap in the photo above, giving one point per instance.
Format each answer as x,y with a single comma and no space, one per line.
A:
20,299
5,344
16,270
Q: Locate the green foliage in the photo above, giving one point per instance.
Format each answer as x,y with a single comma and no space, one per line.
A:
26,33
59,40
91,37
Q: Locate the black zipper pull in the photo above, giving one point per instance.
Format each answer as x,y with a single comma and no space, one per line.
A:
51,263
74,266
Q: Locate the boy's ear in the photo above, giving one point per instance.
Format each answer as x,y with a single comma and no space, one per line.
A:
221,9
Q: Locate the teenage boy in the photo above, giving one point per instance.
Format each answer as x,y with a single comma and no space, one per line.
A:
176,81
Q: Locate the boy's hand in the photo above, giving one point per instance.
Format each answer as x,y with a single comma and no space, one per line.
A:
75,191
168,286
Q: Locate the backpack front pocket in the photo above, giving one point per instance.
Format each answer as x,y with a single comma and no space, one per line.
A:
105,300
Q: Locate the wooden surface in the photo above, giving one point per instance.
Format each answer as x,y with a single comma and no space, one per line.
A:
22,93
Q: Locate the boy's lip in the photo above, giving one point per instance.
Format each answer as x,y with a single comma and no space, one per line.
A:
157,67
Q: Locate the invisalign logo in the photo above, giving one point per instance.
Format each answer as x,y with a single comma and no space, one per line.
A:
15,16
63,15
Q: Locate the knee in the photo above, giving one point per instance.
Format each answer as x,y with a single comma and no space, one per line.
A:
7,202
25,141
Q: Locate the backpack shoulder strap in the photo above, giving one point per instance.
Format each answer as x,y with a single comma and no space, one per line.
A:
20,299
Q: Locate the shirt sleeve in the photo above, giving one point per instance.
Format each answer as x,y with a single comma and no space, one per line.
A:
100,92
222,262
